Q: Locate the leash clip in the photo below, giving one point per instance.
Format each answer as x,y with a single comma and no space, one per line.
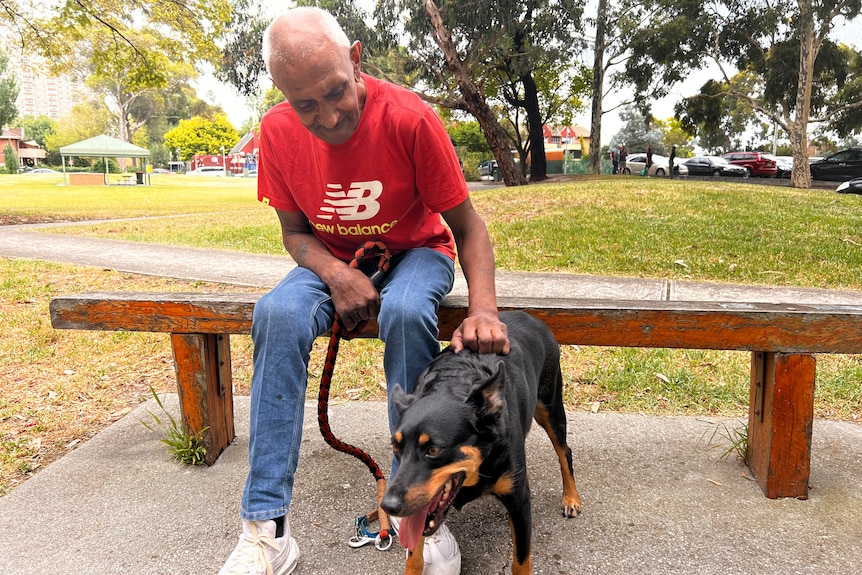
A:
363,536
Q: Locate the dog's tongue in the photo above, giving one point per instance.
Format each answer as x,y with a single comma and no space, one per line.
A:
411,529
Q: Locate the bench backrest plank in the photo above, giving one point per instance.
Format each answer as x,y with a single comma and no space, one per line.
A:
670,324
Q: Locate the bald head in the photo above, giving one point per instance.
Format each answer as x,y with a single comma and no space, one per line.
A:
310,59
299,35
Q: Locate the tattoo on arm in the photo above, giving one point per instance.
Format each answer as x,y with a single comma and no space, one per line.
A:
300,251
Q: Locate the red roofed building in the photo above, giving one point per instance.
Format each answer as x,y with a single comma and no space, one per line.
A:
28,153
243,156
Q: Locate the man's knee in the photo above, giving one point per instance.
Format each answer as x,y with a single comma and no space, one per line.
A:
407,316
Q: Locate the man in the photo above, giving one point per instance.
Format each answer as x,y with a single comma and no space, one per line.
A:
671,159
345,159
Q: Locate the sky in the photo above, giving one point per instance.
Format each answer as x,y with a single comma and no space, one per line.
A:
239,109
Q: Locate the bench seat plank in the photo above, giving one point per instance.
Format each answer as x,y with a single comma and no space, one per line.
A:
624,323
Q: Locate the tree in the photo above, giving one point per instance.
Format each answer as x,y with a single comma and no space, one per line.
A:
122,76
37,128
85,121
614,25
8,93
541,38
122,48
191,26
241,64
201,136
673,135
785,45
472,98
487,61
637,133
10,159
598,88
468,135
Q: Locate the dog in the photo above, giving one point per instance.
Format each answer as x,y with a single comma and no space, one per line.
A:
461,434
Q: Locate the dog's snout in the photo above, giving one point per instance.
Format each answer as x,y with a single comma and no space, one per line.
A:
392,503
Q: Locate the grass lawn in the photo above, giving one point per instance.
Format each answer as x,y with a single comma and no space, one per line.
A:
55,394
698,230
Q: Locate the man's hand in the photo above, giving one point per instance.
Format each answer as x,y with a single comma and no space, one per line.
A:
482,332
354,297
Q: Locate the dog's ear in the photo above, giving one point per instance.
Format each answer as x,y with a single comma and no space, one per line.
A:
400,399
488,395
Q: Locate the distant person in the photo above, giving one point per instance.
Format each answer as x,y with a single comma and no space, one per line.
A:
345,159
670,160
623,154
648,160
615,160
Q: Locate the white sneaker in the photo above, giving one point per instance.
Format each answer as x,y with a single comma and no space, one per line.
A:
441,552
259,552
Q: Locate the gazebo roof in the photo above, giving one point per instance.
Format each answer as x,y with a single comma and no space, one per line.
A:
104,147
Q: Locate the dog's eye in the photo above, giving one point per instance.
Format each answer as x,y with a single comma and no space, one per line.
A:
432,451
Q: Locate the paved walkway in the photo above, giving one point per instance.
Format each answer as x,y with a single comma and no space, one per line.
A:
658,499
265,271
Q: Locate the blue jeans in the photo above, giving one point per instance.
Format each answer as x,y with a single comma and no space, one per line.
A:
286,322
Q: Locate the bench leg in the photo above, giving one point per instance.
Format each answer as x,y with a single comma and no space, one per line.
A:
202,363
780,418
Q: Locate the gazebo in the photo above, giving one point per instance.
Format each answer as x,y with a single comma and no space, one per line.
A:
105,147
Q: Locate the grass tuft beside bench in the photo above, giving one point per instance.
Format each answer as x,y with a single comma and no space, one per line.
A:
782,339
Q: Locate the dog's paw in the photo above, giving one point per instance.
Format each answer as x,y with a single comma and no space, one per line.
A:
571,507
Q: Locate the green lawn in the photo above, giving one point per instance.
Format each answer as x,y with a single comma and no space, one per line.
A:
46,195
699,230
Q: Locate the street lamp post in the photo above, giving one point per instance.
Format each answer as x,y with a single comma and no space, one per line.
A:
223,162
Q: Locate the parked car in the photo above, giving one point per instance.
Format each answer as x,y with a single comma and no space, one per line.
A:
853,186
758,164
714,166
635,164
783,166
840,166
486,168
39,171
206,171
161,171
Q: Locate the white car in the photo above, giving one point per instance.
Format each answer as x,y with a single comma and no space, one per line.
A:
636,162
206,171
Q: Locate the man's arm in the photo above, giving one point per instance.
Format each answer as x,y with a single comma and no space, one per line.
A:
482,329
353,295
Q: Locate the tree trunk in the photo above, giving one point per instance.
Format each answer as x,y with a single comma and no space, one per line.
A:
798,133
538,161
475,102
598,89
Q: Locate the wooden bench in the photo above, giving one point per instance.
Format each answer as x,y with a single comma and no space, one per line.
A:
782,339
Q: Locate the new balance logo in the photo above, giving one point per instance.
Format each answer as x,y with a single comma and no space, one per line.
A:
357,203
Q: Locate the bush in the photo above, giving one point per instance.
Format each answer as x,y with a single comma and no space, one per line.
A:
11,159
99,166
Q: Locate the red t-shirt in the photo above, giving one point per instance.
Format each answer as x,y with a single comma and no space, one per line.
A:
389,181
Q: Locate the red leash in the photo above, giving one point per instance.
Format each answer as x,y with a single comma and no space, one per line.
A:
365,254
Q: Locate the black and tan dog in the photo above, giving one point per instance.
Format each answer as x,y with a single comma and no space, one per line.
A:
461,434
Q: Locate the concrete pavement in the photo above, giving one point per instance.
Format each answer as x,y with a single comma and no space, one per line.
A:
658,499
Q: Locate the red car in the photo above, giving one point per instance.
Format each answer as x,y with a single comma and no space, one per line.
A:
758,164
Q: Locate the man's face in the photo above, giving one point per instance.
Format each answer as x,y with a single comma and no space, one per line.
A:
326,92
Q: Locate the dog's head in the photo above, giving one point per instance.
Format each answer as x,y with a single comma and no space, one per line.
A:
446,427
